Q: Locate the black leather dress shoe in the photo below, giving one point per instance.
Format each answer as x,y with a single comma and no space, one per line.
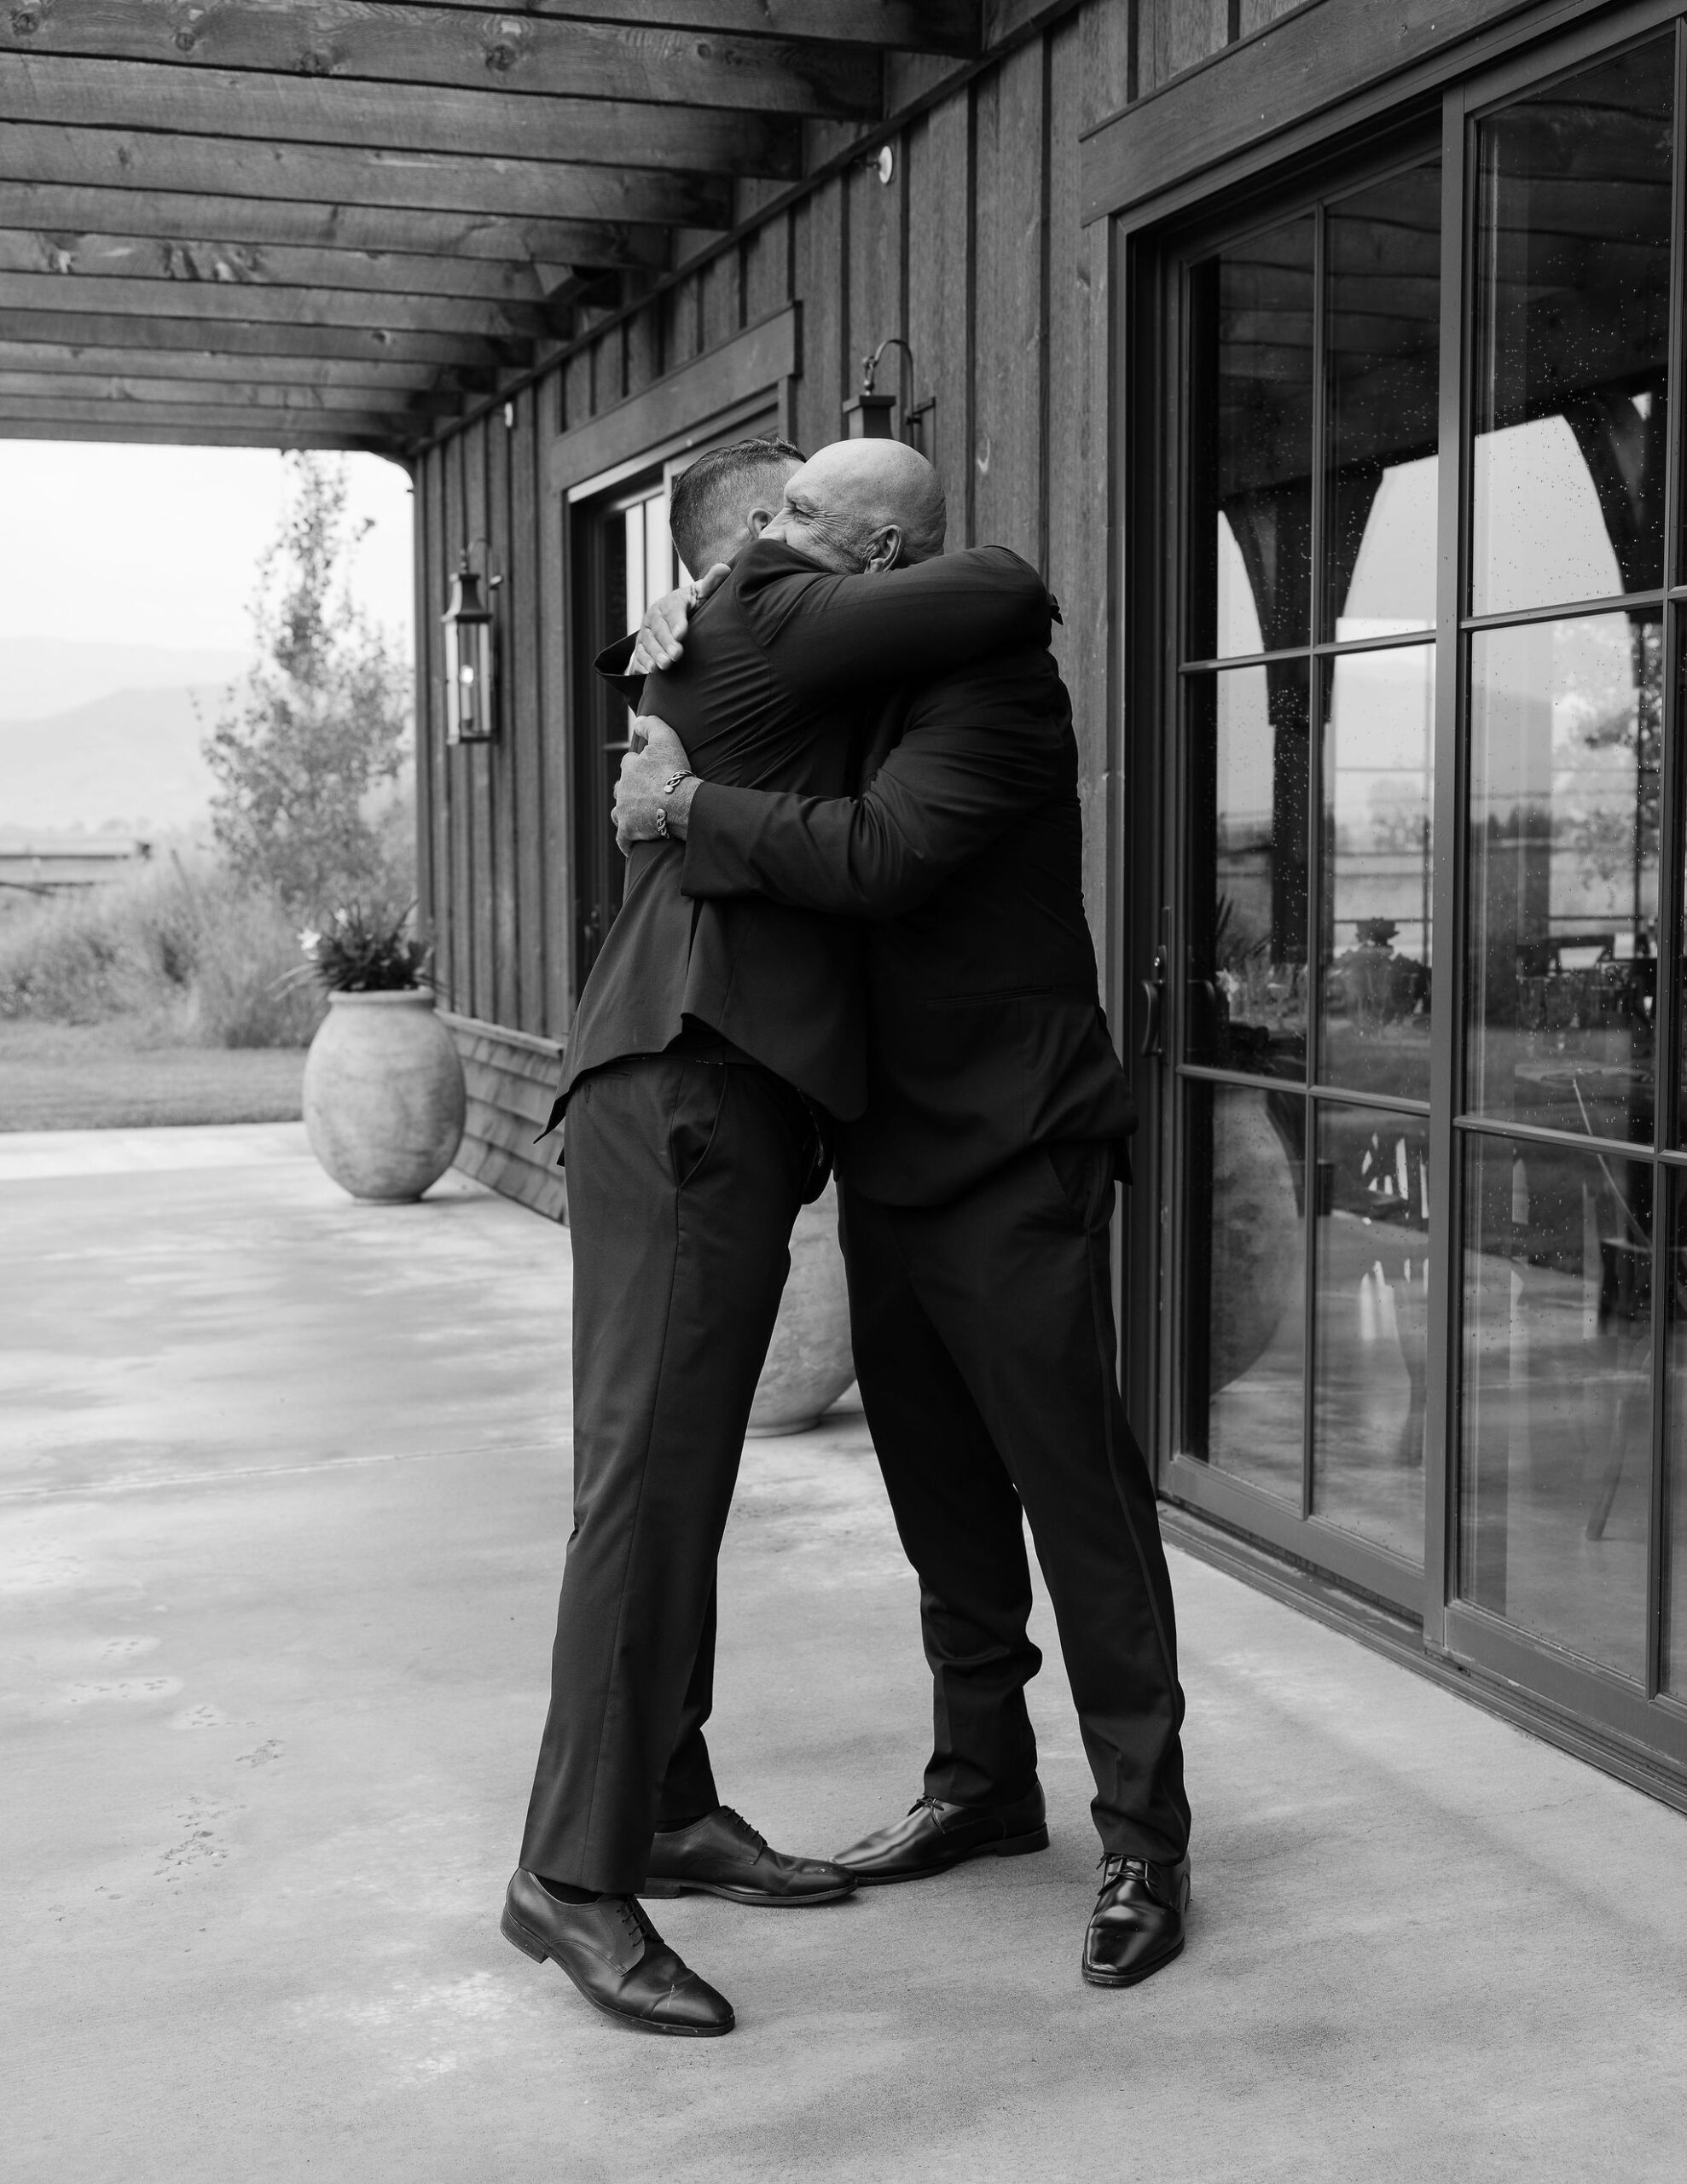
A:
934,1836
615,1957
722,1855
1137,1926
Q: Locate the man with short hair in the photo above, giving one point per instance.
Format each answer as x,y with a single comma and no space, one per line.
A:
724,501
712,1049
976,1192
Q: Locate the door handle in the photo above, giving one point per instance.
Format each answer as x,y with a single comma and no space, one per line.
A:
1153,1037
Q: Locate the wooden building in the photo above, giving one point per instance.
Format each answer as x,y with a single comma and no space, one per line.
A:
1326,358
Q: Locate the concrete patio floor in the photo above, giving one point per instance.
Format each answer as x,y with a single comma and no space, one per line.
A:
282,1506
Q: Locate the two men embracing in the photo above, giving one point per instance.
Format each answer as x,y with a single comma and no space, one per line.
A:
853,936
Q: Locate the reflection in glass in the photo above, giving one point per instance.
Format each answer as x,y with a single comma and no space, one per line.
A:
1373,1325
1382,258
1248,875
1566,730
1378,807
1557,1412
1572,335
1252,412
1246,1322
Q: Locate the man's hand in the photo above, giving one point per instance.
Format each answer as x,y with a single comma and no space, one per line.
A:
662,632
642,793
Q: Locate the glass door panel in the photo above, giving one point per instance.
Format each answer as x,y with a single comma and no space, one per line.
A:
1566,747
1375,955
1370,1363
1249,780
1555,1449
1382,254
1572,337
1245,1402
1305,940
1673,1672
1251,309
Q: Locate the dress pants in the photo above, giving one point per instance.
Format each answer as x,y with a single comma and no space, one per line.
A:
985,1344
684,1178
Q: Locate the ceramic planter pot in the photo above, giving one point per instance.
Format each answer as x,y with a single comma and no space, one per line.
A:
809,1362
384,1097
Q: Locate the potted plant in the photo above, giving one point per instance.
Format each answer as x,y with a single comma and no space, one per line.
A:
383,1095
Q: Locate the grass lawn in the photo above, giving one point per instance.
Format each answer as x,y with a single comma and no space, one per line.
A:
102,1077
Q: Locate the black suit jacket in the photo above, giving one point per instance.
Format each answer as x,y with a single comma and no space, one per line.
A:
964,857
782,667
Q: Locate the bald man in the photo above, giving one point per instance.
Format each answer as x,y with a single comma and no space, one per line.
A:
713,1051
976,1195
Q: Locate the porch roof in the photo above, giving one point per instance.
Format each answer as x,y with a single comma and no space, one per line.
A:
331,222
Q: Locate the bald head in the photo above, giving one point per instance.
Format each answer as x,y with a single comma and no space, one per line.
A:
862,504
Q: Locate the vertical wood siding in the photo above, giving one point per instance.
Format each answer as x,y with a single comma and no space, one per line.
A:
973,254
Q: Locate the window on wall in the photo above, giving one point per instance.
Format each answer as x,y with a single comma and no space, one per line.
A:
1422,684
624,557
627,560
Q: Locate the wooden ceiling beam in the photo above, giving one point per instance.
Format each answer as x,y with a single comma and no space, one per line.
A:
188,433
404,117
954,27
368,424
507,51
207,303
237,266
145,332
258,223
299,402
68,361
434,183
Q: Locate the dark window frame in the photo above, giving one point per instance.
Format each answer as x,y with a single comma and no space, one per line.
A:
1149,253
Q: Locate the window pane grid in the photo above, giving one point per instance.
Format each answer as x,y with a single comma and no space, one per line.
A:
1560,1069
1569,697
1304,1375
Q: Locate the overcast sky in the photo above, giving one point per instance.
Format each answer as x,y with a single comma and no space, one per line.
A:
159,545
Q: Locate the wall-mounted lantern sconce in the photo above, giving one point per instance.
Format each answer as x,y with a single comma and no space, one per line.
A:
471,660
867,416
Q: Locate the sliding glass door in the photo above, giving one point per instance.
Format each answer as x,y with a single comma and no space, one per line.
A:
1425,1278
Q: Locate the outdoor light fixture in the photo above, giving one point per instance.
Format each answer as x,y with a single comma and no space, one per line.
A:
471,686
868,417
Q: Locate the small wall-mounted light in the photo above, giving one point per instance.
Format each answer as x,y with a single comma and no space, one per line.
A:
866,416
471,660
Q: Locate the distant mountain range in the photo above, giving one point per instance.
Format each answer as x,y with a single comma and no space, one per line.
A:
43,675
131,759
107,736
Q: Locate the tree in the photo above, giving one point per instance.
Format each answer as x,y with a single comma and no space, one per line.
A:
306,745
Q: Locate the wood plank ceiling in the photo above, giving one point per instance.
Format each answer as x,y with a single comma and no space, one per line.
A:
331,222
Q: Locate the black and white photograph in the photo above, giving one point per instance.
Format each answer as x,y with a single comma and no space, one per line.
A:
843,1091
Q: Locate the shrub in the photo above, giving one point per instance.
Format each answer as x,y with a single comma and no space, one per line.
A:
128,947
195,957
243,994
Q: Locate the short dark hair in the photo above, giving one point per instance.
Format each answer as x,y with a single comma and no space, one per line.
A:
698,503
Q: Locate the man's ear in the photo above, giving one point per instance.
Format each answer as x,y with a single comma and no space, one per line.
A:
758,521
885,551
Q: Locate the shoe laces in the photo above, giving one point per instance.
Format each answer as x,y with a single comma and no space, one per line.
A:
631,1913
739,1821
934,1804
